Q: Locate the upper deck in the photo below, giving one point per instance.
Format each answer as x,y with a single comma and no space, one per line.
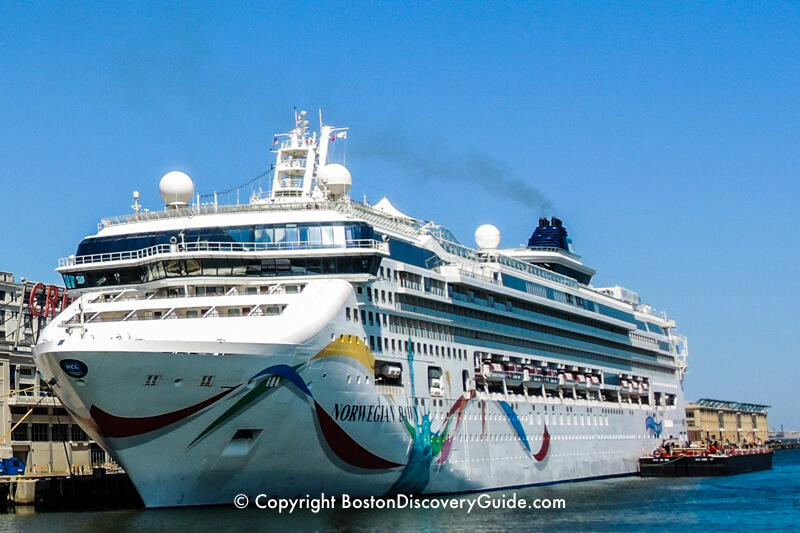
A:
307,224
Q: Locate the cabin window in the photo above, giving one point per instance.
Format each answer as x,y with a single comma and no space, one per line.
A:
77,434
435,381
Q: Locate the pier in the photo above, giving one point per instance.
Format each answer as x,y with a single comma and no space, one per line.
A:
784,445
58,493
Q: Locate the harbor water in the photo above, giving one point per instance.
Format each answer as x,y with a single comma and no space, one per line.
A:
760,501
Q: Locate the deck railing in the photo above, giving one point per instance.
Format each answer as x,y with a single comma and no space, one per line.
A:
225,247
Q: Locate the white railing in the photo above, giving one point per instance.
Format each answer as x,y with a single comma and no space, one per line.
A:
409,284
480,277
554,250
225,247
292,182
293,163
291,143
264,203
347,207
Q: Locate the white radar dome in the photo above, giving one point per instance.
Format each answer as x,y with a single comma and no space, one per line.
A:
176,189
336,178
487,237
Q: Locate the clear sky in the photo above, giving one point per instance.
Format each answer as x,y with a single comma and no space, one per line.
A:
664,135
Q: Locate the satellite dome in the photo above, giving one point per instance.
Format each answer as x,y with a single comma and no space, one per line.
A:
337,178
176,189
487,237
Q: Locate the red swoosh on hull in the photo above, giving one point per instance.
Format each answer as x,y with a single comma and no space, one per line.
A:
345,447
545,446
116,427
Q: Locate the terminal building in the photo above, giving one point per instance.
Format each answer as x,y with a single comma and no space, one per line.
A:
733,422
35,427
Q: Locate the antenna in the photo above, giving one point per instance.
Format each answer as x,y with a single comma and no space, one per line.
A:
136,207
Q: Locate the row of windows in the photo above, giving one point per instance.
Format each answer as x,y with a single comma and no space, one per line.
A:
556,420
514,305
46,432
434,350
154,379
329,234
379,343
368,317
380,297
504,341
464,314
546,292
157,270
23,410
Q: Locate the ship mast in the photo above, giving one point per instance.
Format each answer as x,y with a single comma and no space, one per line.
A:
301,169
295,169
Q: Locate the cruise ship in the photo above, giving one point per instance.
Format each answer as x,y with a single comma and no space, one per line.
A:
305,343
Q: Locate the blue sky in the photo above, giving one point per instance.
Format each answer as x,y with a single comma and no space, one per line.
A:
665,135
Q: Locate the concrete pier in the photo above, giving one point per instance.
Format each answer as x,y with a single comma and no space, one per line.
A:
98,491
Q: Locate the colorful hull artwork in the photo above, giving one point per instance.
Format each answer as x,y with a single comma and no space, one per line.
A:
426,447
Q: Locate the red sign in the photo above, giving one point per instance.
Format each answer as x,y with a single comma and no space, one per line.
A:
47,300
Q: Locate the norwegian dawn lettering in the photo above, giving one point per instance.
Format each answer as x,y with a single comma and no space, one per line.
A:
371,413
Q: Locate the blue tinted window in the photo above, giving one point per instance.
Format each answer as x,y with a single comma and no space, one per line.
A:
331,234
240,234
315,235
408,253
223,267
616,313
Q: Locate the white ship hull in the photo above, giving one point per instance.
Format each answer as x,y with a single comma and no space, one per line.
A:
324,427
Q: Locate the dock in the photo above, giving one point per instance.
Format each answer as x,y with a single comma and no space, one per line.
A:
784,445
59,493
